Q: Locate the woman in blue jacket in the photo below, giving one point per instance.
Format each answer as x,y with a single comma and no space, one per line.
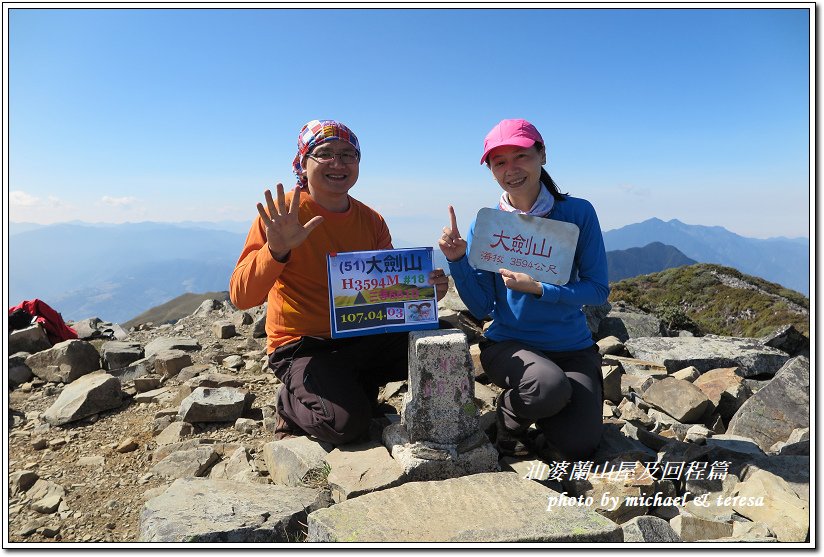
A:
538,347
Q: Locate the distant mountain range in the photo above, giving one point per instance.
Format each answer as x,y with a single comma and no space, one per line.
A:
782,260
651,258
116,272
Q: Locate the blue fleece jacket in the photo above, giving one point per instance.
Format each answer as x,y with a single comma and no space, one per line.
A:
552,321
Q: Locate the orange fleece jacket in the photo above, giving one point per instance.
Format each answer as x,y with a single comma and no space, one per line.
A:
297,291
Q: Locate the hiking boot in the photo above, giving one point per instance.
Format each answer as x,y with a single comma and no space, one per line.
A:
547,452
508,442
283,429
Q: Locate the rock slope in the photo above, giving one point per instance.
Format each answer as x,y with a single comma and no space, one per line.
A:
154,434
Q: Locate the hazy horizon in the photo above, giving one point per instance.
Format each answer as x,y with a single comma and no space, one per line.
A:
167,115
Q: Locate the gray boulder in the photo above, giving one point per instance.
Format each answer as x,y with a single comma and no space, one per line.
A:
649,529
118,354
788,339
294,461
678,398
19,372
65,361
725,389
31,339
171,343
208,511
625,322
187,463
224,404
94,328
259,326
594,316
771,414
168,363
134,370
447,511
709,352
88,395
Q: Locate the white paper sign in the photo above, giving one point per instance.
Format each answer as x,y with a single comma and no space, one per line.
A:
542,248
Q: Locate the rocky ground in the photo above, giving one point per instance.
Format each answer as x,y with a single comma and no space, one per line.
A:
86,479
104,462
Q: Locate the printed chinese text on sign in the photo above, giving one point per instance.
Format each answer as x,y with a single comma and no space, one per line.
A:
542,248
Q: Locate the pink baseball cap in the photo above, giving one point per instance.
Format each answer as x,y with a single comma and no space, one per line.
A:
516,132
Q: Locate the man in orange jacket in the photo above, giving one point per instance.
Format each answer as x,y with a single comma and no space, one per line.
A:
330,385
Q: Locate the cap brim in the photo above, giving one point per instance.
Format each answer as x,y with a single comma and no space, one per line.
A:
513,142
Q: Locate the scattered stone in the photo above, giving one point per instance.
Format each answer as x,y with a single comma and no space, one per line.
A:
359,469
709,352
734,443
391,389
65,362
687,374
781,509
127,445
725,389
55,444
289,461
193,371
751,530
224,404
95,461
521,514
698,434
245,425
691,528
173,433
146,384
680,399
94,328
39,443
644,369
155,395
788,339
171,343
32,339
186,463
232,362
208,511
85,397
612,382
242,318
31,526
625,322
771,414
118,354
223,329
19,372
649,529
22,480
168,363
135,370
610,345
214,380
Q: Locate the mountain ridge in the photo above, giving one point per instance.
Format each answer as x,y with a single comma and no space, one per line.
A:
776,260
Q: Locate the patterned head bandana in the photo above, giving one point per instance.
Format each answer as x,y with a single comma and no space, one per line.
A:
313,134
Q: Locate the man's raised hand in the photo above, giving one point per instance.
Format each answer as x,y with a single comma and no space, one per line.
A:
283,229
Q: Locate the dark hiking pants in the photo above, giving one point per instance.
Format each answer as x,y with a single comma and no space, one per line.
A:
560,392
330,386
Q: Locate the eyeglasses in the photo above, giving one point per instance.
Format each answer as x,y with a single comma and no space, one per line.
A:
345,158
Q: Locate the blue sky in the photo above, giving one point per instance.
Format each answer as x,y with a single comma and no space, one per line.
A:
122,115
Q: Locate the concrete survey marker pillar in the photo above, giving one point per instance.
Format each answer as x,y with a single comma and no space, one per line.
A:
439,436
439,405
